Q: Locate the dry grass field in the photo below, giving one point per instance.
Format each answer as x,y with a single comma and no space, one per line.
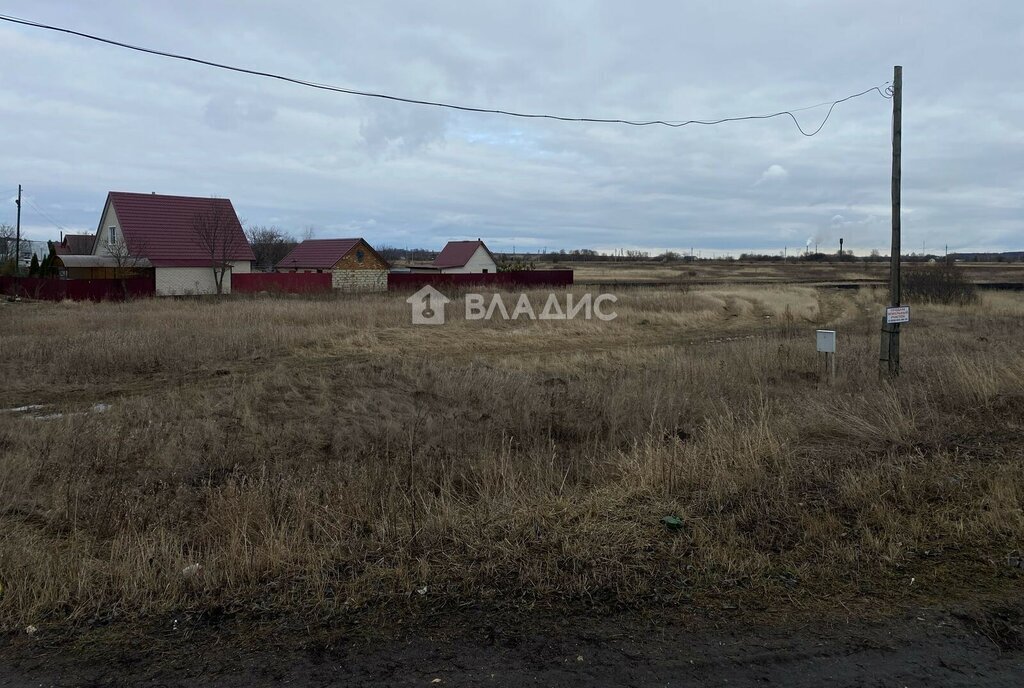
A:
793,272
325,459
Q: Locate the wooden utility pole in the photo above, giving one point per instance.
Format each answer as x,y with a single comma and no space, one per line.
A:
890,347
17,243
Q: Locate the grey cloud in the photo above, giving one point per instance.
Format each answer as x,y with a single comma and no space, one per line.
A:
227,112
391,130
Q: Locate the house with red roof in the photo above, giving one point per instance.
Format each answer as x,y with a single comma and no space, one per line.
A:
193,245
465,257
75,245
354,265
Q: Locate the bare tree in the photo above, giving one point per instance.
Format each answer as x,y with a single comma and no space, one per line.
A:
270,245
214,230
126,263
7,248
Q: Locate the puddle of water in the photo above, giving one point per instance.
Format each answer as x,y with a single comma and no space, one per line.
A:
30,410
24,409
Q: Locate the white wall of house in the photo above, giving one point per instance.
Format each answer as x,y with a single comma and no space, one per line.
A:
190,281
102,247
185,281
480,262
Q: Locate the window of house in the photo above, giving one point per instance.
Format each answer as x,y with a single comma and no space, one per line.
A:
485,269
359,256
111,235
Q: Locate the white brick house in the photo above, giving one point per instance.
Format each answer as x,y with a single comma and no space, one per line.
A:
168,232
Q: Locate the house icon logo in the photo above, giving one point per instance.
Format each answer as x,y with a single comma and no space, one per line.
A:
428,306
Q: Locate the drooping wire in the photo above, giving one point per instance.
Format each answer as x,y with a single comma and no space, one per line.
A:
886,93
41,212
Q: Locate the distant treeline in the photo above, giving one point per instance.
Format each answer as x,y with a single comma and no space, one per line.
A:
1004,257
586,255
392,253
271,244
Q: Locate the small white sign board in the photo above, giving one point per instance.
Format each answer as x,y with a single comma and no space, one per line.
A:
897,314
827,341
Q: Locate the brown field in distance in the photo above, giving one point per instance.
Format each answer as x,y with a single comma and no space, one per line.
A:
324,459
792,272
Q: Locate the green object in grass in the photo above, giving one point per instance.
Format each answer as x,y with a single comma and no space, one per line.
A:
672,522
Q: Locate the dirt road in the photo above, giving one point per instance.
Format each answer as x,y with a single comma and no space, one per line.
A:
920,648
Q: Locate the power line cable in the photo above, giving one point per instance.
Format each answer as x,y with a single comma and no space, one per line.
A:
40,211
885,90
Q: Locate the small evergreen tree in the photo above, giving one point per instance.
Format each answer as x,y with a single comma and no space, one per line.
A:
33,267
48,268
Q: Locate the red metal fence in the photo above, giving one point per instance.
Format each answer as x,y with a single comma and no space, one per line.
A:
53,289
284,282
518,278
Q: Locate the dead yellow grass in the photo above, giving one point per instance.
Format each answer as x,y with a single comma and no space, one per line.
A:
737,272
319,458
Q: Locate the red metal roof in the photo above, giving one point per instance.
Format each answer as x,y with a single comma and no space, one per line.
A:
455,254
160,228
317,254
75,245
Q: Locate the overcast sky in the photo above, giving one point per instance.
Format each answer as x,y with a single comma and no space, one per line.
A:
78,119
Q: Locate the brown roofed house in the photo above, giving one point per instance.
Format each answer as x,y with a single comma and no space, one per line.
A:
193,244
75,245
465,256
354,264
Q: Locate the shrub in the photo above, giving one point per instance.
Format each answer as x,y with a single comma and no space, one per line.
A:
517,265
938,283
